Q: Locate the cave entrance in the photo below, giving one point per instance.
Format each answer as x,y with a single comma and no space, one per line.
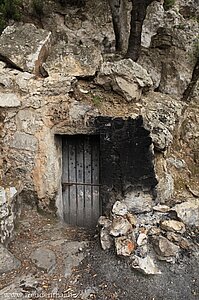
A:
81,180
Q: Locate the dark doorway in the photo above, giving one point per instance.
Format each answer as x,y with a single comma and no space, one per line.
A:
80,180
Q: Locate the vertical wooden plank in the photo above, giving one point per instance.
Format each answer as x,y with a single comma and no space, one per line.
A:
65,194
95,180
72,178
87,179
80,179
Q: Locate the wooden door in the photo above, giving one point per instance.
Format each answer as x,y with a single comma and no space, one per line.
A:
80,180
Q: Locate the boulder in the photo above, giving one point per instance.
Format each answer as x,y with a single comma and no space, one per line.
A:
120,226
25,47
119,208
124,246
173,225
44,259
81,60
145,265
8,262
164,247
125,77
188,212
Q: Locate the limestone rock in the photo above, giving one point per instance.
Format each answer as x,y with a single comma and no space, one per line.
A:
142,239
44,259
145,265
105,239
9,100
164,247
119,208
124,246
132,219
125,77
160,113
138,202
188,212
25,46
154,19
173,225
161,208
165,188
81,60
104,222
8,261
120,226
24,141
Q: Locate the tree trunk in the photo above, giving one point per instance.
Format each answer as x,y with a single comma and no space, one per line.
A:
119,17
190,89
138,14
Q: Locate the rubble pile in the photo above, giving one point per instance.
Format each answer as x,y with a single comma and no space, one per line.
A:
146,238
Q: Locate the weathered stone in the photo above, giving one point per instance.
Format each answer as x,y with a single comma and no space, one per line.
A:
125,77
138,202
154,19
44,259
160,113
132,219
9,100
173,225
177,163
124,246
145,265
120,226
9,210
188,212
142,239
24,141
164,247
165,188
161,208
104,222
105,239
119,208
81,60
25,46
8,261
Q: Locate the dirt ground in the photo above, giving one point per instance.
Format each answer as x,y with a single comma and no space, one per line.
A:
94,273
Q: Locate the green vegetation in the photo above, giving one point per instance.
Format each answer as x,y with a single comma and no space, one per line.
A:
168,4
9,9
38,7
97,100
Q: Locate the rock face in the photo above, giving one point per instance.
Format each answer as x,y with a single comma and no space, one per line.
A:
29,47
172,225
125,77
7,261
75,60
